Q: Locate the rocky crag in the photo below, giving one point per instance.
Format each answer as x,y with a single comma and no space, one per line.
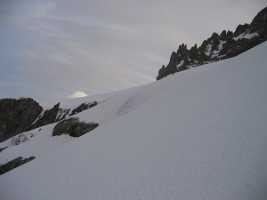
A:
24,114
217,47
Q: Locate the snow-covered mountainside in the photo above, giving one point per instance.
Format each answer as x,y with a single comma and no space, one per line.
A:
217,47
200,134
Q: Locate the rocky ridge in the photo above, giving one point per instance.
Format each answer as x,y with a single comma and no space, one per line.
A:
24,114
217,47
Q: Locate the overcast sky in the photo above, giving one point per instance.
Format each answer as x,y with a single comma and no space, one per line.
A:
50,49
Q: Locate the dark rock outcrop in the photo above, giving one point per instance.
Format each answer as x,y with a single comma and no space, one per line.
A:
259,22
82,107
218,46
14,163
73,127
17,115
50,116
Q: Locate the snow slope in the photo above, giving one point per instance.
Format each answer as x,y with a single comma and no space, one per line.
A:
110,106
200,134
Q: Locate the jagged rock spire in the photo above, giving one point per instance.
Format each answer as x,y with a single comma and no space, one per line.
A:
221,46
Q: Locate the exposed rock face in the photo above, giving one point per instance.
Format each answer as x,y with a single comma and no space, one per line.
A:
14,163
56,113
82,107
219,46
260,21
50,116
17,115
73,127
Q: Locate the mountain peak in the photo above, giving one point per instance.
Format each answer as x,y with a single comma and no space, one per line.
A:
217,47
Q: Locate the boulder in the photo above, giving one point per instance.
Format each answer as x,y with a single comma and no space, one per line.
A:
73,127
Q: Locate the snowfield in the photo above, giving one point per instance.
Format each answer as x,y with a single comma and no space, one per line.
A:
200,134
